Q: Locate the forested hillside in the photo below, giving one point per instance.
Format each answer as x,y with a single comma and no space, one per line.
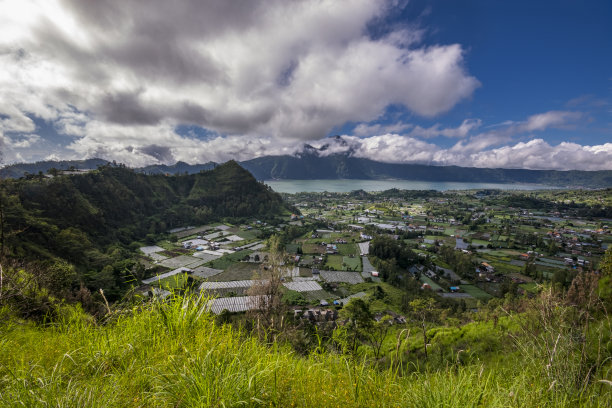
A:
340,166
313,166
78,229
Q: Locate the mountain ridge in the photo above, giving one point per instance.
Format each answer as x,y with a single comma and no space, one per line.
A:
311,165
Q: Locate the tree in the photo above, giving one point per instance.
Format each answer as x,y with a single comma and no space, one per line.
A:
377,334
268,309
605,279
360,321
424,311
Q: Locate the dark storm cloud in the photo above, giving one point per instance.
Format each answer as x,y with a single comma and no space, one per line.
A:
160,19
127,108
162,154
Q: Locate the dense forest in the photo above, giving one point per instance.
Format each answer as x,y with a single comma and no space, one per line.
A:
80,229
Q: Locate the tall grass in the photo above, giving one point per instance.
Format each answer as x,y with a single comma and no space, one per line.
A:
174,354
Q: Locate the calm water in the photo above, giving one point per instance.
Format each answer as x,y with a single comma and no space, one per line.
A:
343,186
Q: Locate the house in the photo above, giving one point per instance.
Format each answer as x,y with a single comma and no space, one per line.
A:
454,289
487,268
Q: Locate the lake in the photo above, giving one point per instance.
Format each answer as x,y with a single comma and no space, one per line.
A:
343,186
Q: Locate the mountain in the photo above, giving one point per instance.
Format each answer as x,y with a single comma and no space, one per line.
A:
20,169
177,168
88,220
341,166
312,165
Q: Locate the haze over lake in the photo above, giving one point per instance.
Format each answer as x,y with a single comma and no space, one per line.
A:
343,186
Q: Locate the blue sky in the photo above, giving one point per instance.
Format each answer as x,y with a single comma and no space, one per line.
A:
474,83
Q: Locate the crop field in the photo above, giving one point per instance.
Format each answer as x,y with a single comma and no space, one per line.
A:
347,249
291,248
434,286
311,248
226,260
237,271
346,277
353,264
335,262
182,261
476,292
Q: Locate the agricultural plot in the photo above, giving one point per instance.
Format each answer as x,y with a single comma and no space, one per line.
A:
476,292
347,249
357,295
338,277
233,304
215,235
353,264
193,231
249,234
195,242
319,295
148,250
304,286
450,274
237,271
234,238
162,276
364,248
157,257
292,248
226,260
434,286
313,249
182,261
335,262
204,272
206,256
228,285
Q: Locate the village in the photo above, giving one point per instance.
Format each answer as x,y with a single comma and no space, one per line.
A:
468,247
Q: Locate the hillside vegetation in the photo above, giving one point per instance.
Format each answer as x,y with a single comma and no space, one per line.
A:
314,166
79,230
175,354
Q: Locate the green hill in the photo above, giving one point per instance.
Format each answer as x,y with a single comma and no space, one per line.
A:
89,220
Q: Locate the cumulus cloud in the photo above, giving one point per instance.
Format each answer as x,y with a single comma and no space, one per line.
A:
257,68
437,130
117,78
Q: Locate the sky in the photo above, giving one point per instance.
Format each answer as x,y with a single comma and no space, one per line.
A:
475,83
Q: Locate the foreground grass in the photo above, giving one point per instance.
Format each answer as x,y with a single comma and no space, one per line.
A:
175,355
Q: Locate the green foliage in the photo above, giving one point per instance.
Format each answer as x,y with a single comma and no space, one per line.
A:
605,280
88,219
175,354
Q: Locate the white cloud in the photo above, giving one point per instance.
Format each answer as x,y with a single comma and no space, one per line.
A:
549,119
365,129
24,142
267,69
437,130
117,78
